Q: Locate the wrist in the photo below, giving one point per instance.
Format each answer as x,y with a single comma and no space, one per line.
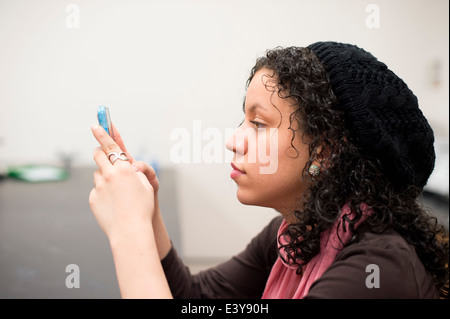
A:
157,210
138,267
131,235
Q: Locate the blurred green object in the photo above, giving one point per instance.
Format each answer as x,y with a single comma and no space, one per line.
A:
38,173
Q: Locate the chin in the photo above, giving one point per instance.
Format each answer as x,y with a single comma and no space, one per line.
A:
250,199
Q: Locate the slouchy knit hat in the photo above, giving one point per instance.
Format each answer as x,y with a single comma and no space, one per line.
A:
381,113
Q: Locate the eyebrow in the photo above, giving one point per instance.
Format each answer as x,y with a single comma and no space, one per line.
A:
254,107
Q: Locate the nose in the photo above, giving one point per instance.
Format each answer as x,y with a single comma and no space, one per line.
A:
237,142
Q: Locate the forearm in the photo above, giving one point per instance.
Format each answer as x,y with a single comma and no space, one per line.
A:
162,238
138,266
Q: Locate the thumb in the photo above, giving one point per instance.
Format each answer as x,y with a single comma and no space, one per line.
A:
148,171
144,180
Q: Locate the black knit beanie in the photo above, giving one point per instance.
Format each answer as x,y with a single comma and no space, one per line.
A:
381,113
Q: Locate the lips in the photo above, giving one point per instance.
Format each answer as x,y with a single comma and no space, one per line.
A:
236,172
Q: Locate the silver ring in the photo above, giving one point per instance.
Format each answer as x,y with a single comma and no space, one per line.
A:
117,156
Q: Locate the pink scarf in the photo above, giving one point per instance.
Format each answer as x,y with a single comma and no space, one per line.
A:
284,283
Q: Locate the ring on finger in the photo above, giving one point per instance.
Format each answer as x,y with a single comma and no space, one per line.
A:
117,156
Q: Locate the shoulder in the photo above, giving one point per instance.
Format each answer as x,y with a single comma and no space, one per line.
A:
377,266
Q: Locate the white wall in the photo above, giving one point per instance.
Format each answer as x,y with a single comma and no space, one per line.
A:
160,65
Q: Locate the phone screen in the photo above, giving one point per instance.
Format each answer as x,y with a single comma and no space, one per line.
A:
104,119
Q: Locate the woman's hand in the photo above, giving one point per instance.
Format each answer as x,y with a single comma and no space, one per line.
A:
139,166
123,202
149,173
160,231
123,198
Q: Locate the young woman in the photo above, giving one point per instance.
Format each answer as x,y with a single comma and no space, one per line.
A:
353,153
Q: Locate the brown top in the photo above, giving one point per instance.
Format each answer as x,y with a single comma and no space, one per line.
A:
401,273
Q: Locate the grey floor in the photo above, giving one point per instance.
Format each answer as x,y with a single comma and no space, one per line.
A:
46,227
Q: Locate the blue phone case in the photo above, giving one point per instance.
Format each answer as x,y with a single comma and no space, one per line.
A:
104,119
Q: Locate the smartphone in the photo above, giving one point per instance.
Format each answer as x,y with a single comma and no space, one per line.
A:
104,119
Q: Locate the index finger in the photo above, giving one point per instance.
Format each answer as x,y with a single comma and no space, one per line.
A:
100,158
118,139
106,142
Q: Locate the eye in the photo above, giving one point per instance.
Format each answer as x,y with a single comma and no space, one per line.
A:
257,124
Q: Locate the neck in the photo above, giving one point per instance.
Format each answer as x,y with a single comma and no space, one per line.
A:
288,214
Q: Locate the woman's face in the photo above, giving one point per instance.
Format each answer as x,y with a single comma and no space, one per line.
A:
266,167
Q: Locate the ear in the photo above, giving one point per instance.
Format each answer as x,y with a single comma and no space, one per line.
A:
322,156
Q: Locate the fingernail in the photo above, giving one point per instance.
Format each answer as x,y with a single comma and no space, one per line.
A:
94,127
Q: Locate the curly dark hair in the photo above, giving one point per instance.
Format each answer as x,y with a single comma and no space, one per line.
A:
346,176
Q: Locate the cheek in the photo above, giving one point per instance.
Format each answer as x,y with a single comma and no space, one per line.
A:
268,152
272,151
285,166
